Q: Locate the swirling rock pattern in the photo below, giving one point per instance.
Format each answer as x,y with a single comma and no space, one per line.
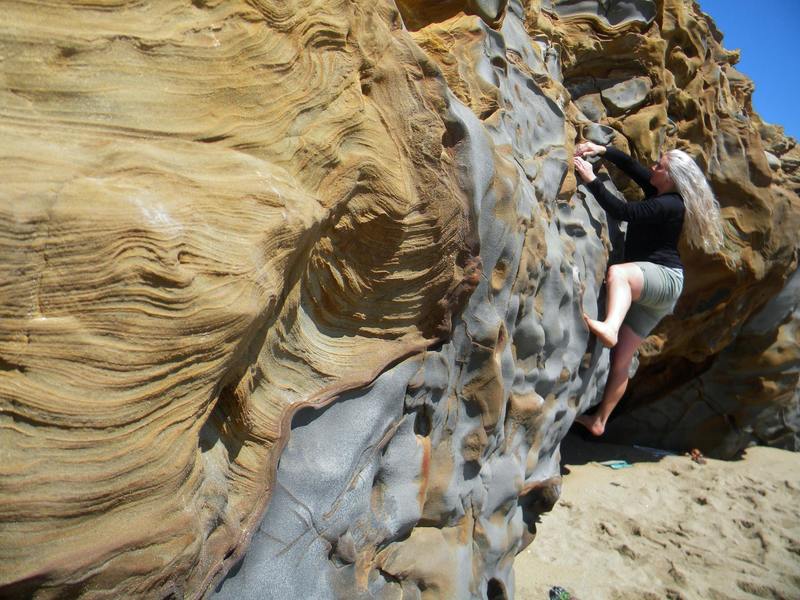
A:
212,212
345,236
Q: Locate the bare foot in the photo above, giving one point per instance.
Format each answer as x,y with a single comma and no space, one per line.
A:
593,423
604,333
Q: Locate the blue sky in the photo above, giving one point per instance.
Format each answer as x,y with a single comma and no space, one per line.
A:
766,33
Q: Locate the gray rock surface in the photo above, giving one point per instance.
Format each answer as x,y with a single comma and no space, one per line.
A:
611,12
446,462
592,106
450,457
626,95
293,294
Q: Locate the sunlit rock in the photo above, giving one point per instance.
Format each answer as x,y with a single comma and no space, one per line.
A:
626,95
292,293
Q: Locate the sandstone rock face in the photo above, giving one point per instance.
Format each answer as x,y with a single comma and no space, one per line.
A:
292,292
212,212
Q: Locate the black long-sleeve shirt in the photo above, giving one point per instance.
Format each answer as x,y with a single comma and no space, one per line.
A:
654,223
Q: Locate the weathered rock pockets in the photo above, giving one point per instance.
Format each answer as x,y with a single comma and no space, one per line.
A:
223,221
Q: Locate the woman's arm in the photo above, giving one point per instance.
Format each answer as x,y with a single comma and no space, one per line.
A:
640,174
652,210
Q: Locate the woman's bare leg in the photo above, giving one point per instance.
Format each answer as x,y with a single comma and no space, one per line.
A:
623,285
617,383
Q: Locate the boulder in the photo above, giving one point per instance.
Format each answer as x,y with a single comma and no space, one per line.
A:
292,293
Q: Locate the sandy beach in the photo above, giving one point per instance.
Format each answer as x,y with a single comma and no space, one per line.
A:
668,527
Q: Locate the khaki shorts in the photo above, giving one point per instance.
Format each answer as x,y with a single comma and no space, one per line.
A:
662,288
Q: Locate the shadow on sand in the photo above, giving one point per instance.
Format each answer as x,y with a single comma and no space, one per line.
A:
580,448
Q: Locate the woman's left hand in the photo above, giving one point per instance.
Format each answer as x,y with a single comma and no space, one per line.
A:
584,169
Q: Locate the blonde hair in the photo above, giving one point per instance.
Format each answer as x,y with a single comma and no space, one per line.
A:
702,224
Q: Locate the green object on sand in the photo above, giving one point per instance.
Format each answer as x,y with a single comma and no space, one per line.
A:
559,593
616,464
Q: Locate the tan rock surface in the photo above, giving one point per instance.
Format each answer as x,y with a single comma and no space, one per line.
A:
223,221
210,212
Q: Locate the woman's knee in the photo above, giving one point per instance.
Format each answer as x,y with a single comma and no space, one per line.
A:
618,274
628,273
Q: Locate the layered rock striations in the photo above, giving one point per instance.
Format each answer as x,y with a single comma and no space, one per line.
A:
292,293
212,213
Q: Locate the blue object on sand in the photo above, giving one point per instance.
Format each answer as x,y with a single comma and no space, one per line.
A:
616,464
655,451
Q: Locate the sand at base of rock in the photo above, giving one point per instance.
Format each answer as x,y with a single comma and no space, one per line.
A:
669,528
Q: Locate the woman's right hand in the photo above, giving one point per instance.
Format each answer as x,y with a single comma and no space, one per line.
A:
587,149
584,169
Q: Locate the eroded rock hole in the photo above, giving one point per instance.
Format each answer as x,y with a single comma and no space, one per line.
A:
471,469
423,421
495,590
225,423
454,133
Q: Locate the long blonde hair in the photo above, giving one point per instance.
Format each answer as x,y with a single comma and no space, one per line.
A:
702,224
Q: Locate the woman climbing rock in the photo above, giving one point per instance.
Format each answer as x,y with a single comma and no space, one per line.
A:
645,288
